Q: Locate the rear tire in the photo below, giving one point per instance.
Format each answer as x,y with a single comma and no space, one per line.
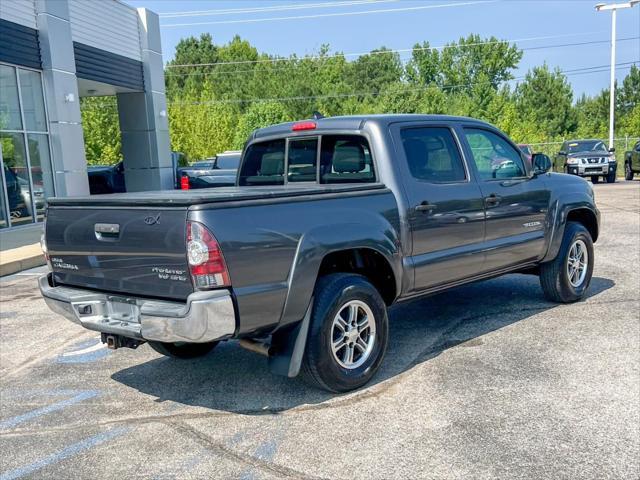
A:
628,173
562,279
348,333
183,350
595,179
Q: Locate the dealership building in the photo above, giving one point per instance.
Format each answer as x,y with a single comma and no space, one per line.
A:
52,53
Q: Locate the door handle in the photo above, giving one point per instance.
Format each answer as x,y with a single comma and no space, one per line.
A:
493,200
107,232
426,207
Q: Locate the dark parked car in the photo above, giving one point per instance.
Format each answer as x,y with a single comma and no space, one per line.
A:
587,158
110,178
632,162
219,171
332,221
19,195
106,178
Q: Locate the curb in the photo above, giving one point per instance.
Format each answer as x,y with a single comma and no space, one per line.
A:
18,259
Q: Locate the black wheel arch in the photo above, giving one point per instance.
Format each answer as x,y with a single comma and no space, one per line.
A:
583,212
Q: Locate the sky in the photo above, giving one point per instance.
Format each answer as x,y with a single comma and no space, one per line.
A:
358,26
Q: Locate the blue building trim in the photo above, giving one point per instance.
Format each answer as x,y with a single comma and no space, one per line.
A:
106,67
19,45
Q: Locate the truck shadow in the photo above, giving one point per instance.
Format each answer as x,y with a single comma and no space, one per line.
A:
235,380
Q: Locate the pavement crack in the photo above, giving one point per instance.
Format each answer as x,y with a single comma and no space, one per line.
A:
230,454
37,358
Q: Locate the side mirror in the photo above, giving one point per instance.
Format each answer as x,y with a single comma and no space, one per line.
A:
562,152
541,163
612,149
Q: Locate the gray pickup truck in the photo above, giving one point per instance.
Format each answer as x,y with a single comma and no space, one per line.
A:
331,222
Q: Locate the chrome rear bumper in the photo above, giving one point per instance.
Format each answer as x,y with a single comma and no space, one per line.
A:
205,317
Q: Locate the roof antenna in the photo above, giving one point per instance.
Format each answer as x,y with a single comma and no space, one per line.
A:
317,115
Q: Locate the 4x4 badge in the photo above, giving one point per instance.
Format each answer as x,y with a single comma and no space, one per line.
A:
152,219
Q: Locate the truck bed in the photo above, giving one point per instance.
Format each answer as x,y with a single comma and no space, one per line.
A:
186,198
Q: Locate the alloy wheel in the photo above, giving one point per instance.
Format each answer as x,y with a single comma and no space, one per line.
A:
353,334
577,263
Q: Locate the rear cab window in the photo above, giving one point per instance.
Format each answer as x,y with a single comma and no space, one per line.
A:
324,159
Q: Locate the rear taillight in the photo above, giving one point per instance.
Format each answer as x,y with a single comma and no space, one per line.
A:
206,263
184,183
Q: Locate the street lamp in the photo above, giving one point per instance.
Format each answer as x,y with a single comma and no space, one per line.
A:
601,7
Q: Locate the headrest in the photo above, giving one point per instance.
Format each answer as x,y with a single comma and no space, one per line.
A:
348,158
272,164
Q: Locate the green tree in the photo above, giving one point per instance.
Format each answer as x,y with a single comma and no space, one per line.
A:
424,66
201,126
628,97
593,115
474,59
259,115
545,98
191,51
101,129
375,71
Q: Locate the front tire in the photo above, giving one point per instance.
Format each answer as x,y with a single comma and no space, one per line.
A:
566,278
611,178
183,350
348,333
628,173
595,179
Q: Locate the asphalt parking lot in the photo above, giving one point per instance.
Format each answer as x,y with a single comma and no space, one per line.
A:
485,381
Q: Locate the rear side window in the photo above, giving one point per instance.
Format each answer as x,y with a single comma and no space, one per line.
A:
345,159
264,164
432,154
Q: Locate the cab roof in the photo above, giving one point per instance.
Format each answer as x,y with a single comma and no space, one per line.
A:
357,122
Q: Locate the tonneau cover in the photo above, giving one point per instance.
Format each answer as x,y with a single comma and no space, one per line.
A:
182,198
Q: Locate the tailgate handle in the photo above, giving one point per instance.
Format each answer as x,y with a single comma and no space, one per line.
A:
107,231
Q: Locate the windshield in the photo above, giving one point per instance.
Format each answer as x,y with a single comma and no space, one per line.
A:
586,146
203,164
228,162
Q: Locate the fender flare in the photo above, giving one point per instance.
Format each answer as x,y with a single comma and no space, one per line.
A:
561,208
316,244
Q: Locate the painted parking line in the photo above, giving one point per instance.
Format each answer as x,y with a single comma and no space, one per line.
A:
65,453
54,407
85,352
89,349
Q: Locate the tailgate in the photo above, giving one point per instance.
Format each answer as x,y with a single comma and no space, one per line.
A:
128,250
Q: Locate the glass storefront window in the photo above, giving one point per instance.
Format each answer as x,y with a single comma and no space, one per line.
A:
16,177
41,174
32,100
25,163
10,118
4,221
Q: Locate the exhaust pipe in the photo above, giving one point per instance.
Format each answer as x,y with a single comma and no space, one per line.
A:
256,347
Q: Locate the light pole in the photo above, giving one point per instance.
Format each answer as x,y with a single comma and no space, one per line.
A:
614,7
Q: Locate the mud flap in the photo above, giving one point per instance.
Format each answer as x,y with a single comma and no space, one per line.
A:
290,348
